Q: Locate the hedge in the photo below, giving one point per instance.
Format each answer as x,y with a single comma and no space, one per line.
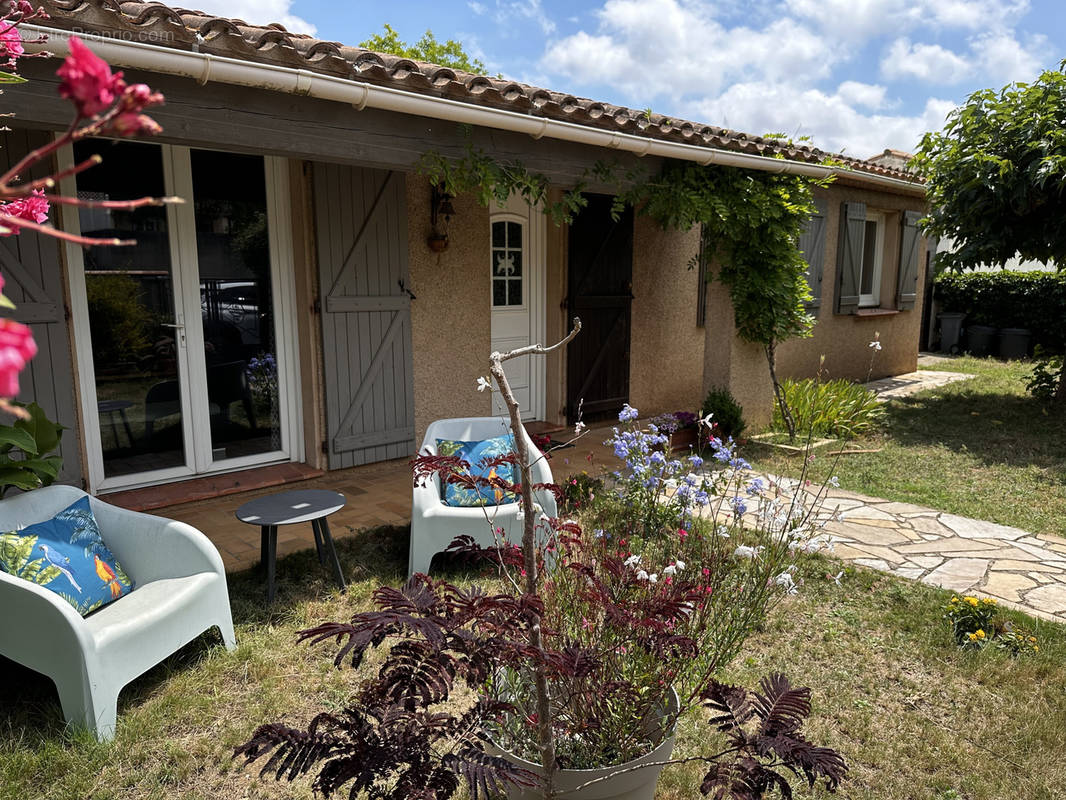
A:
1033,300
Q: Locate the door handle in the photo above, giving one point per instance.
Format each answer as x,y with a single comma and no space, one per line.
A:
175,325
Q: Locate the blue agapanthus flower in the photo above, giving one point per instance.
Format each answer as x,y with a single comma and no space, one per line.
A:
627,414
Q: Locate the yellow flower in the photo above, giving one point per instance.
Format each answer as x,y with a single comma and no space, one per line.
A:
973,637
980,634
972,601
989,601
1032,638
954,599
1035,648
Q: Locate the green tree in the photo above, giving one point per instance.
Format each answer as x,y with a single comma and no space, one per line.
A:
447,54
997,177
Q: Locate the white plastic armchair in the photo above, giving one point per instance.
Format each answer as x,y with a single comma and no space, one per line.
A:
180,592
434,525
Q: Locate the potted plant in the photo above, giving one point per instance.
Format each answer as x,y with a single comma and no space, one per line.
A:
681,428
579,658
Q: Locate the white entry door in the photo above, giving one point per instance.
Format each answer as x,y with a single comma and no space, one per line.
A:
517,269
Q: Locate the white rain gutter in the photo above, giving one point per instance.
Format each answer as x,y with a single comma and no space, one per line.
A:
205,67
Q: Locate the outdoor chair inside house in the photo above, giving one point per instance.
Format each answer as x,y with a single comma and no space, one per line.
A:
434,524
179,591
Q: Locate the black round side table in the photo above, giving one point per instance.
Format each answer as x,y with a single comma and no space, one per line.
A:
290,508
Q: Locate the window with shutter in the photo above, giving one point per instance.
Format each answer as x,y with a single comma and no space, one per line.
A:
873,248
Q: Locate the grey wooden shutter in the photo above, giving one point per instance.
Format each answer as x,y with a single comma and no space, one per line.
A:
849,256
31,267
812,244
361,223
909,239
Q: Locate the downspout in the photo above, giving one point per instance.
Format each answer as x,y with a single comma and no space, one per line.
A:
204,67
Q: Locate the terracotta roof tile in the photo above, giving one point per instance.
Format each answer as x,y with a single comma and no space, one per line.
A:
189,29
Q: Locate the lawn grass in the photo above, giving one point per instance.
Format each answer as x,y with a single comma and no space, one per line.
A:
981,448
915,716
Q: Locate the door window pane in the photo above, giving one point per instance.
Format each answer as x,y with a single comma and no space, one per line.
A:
506,264
132,327
236,303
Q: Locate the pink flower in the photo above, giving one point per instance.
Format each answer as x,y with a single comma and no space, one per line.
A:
129,123
586,624
16,349
138,96
682,533
87,80
10,44
34,208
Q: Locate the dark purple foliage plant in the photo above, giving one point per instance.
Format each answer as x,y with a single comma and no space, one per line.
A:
574,659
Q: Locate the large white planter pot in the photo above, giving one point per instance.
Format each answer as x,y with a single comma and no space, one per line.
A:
637,784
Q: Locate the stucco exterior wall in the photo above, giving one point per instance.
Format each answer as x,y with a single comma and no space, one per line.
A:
844,338
666,347
734,364
451,326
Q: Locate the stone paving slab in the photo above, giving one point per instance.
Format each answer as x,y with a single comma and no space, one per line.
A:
1024,571
911,382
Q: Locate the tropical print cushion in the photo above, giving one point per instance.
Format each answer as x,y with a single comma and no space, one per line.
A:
67,556
473,453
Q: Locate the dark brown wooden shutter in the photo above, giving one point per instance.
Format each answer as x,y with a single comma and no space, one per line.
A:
909,240
812,244
849,256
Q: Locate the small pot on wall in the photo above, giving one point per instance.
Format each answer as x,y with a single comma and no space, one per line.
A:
438,242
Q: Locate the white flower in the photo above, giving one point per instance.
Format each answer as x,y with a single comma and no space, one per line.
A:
653,578
580,426
722,531
483,383
642,575
834,482
876,345
743,551
679,564
705,421
687,609
836,578
670,570
785,581
632,561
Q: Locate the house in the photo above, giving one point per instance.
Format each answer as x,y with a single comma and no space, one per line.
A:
293,311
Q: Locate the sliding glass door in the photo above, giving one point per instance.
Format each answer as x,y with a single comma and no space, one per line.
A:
183,340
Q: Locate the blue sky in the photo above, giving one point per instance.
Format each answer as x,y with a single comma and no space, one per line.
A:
856,75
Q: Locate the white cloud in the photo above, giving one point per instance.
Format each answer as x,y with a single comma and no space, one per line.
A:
831,120
930,63
666,48
1003,58
858,19
862,94
504,12
259,12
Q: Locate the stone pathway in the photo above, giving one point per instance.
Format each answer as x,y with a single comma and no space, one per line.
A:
911,382
1023,570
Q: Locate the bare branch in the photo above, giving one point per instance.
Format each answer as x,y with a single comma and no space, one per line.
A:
538,349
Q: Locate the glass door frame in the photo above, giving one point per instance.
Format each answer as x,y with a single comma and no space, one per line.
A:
192,369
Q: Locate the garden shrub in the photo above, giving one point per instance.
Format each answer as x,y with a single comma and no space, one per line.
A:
1044,378
1033,300
728,415
837,408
